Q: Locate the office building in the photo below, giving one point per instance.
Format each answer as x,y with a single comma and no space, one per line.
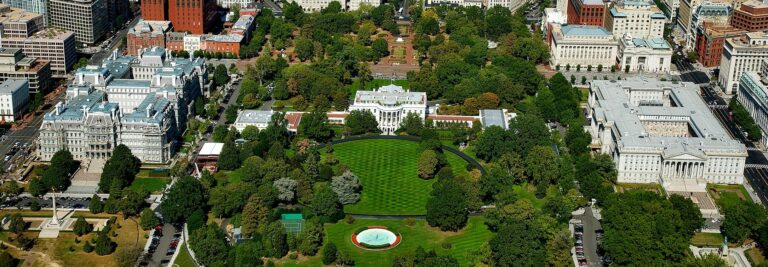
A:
88,19
645,55
154,10
710,40
230,3
741,54
390,105
54,45
586,12
640,19
713,13
662,132
512,5
753,95
670,9
19,23
751,16
685,14
582,45
355,4
34,6
15,65
90,127
14,100
147,34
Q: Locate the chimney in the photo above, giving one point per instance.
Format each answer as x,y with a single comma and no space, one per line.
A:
149,110
58,108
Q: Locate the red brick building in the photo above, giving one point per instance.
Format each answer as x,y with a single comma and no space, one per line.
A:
192,16
147,34
154,9
710,40
751,16
229,43
586,12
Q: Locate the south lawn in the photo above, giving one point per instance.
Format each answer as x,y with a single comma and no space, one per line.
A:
387,171
458,244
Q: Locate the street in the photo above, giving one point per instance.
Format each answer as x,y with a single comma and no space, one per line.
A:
591,228
97,58
757,177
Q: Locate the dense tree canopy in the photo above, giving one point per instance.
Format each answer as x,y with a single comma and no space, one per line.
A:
184,197
120,170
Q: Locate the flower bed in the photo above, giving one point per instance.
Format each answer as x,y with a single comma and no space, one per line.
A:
364,245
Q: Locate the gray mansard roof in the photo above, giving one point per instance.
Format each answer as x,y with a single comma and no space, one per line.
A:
613,105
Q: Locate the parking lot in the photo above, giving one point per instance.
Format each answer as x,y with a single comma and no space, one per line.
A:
165,241
588,234
44,202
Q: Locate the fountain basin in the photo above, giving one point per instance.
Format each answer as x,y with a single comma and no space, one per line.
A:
375,238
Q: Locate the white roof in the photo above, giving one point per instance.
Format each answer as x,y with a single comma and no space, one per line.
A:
211,149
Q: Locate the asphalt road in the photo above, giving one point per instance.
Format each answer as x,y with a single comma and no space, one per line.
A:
591,224
61,202
97,58
757,177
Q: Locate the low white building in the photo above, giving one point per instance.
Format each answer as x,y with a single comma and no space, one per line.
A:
14,99
645,55
638,18
253,117
461,3
582,45
390,105
662,132
512,5
193,42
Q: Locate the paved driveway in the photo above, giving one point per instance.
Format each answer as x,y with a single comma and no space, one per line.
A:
591,225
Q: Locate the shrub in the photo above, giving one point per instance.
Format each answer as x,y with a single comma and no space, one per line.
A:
374,246
34,206
349,219
293,256
88,248
409,221
446,245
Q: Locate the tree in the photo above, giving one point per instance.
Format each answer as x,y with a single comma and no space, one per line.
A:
380,48
104,245
7,260
446,206
149,219
263,68
304,49
126,256
275,240
17,224
538,165
255,215
209,245
229,158
184,197
82,227
329,253
120,170
412,124
220,75
491,143
286,188
325,205
96,206
361,122
428,164
56,176
231,114
518,244
250,133
315,126
347,187
249,253
742,219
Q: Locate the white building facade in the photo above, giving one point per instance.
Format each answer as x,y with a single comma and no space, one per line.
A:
582,45
390,105
640,19
14,99
662,132
741,54
645,55
753,95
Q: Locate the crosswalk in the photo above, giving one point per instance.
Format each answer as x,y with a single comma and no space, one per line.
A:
754,149
756,166
718,106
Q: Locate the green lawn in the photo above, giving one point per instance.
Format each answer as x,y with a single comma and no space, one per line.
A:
184,259
707,239
150,184
387,171
472,237
376,83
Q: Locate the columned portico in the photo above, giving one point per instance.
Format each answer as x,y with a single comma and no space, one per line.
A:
683,169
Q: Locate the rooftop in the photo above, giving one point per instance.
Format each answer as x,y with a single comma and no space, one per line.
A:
10,86
224,38
653,43
129,83
584,30
252,116
391,95
491,117
211,149
151,110
613,105
53,34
